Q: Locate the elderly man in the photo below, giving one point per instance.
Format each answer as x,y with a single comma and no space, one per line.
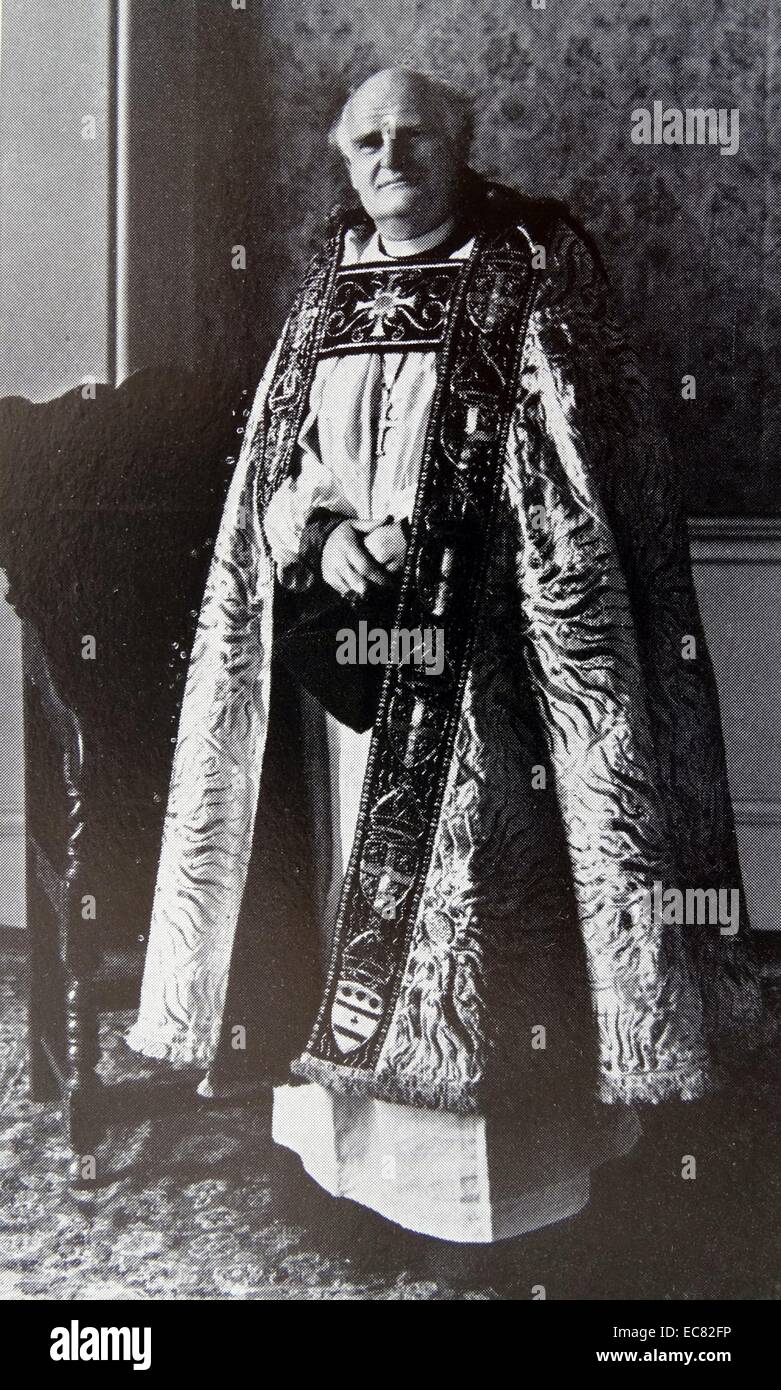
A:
452,436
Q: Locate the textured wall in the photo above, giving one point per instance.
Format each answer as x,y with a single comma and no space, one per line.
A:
688,233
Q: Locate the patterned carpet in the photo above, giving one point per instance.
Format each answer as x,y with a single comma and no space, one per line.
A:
202,1205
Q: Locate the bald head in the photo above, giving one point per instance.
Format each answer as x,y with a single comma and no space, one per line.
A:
405,140
447,109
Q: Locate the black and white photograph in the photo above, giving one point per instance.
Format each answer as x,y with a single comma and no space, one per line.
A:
390,660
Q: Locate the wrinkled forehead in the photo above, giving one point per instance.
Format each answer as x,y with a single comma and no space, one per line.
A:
390,105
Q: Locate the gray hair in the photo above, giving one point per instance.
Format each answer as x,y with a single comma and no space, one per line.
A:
451,106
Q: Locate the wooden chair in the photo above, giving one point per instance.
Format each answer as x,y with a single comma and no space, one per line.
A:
110,507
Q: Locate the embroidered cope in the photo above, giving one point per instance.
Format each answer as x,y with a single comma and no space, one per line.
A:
517,810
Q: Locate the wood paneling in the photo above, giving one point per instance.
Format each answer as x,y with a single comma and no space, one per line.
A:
737,569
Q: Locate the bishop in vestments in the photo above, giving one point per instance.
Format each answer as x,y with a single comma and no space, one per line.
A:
452,436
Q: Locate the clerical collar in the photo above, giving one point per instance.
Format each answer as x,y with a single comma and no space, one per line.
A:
417,246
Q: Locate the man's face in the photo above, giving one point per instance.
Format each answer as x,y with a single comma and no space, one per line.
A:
401,158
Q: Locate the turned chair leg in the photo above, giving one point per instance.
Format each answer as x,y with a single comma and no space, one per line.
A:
83,1137
84,1091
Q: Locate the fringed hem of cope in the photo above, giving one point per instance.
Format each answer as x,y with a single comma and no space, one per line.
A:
682,1083
180,1049
458,1099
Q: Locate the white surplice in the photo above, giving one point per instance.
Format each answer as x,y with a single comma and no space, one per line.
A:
443,1175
